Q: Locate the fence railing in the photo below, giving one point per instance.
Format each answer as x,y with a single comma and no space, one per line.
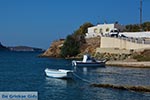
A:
130,39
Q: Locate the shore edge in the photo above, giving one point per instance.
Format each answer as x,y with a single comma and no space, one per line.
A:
131,64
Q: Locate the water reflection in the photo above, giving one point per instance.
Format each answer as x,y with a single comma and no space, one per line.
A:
58,82
114,75
86,73
55,82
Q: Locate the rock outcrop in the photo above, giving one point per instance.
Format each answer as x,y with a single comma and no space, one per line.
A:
89,47
54,50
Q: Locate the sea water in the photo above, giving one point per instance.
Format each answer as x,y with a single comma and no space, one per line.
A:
24,71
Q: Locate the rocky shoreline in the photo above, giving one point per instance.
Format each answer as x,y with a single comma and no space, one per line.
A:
119,87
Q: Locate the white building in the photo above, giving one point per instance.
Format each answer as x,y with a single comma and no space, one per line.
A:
102,29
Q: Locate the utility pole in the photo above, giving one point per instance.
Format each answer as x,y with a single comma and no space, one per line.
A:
141,13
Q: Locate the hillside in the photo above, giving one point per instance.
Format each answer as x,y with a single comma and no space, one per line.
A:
25,48
90,46
55,48
20,48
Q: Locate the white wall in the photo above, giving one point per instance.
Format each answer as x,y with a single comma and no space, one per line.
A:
101,26
108,42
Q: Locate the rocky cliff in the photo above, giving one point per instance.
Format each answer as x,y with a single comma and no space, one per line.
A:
89,47
54,50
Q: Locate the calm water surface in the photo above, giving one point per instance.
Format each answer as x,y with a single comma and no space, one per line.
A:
24,71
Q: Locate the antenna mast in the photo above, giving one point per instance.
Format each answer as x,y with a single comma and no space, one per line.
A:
140,12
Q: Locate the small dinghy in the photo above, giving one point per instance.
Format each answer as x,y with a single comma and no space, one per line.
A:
60,73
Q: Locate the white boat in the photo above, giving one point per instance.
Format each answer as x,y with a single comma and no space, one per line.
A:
60,73
88,61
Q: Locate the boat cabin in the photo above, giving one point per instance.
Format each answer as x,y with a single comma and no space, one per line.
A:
88,58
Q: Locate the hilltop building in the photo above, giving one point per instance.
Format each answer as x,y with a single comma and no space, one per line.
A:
124,43
102,29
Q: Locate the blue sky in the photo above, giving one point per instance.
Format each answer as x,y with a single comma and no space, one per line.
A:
39,22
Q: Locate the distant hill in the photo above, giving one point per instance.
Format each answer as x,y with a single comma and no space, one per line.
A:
26,48
3,48
20,48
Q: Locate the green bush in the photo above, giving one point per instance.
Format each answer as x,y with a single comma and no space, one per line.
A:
142,56
71,46
136,27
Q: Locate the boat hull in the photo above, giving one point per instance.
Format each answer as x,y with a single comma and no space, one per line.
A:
56,73
88,64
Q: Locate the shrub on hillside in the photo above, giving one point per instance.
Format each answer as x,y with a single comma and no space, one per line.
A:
142,56
71,46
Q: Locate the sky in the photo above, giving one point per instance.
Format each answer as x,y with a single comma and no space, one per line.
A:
38,23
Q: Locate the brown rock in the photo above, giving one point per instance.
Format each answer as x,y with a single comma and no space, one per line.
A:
89,47
54,50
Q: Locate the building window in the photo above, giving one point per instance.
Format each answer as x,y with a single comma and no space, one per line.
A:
107,29
101,30
95,30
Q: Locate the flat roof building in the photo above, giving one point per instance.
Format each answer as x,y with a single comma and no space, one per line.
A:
102,29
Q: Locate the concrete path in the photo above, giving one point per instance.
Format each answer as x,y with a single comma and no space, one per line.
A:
129,64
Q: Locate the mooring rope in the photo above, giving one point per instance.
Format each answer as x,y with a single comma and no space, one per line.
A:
85,80
79,77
